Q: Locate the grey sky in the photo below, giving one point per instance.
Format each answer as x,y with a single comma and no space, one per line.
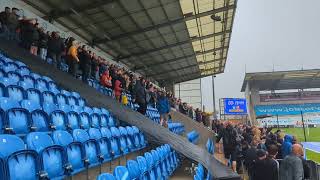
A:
283,33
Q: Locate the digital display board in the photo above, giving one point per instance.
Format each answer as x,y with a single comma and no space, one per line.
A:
235,106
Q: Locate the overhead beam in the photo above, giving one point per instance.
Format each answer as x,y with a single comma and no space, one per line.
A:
186,17
177,59
55,14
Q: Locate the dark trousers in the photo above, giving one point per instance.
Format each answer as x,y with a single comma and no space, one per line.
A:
56,58
85,73
142,108
72,63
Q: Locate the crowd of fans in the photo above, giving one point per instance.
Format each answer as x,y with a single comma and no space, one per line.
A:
267,155
57,50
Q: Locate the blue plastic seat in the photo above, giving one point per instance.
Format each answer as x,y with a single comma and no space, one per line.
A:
106,176
64,92
73,120
133,169
51,156
123,140
20,163
15,92
14,76
35,75
104,143
40,120
61,99
6,81
2,90
58,120
143,167
121,173
65,108
23,71
33,94
210,146
72,101
114,142
77,109
104,120
17,121
95,120
96,110
30,105
81,102
28,79
2,73
2,118
7,103
134,137
10,66
47,79
74,151
200,171
75,94
49,107
53,87
84,120
150,165
90,146
20,64
25,85
48,96
87,110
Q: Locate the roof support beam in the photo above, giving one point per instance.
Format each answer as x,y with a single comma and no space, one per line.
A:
186,17
178,59
55,14
184,67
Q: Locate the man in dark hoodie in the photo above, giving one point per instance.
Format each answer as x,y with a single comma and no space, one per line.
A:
139,95
55,48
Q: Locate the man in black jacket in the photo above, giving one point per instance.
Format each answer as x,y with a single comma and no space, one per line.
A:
85,63
55,48
139,95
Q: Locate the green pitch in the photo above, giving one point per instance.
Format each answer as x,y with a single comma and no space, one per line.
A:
313,136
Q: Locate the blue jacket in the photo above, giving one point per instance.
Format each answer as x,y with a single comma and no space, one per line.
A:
163,105
286,147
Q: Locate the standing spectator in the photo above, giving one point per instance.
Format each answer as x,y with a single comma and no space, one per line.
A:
43,43
163,107
183,108
190,112
94,66
72,58
106,79
139,95
32,36
228,136
198,115
117,87
55,48
267,168
291,167
286,145
85,63
4,15
13,23
251,157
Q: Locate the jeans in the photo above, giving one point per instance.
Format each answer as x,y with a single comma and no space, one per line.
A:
43,53
56,58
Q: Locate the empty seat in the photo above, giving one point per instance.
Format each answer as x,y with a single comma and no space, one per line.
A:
156,167
74,151
75,94
95,120
61,99
2,90
14,76
96,110
33,94
133,169
49,107
48,96
134,138
104,120
77,109
106,176
51,156
2,73
143,167
81,102
104,143
10,66
53,87
89,145
6,81
64,92
40,120
121,173
2,117
17,121
73,120
15,92
123,140
114,142
58,120
20,163
73,101
111,121
84,120
30,105
65,108
25,85
150,165
47,79
20,64
28,79
35,75
87,110
23,71
7,103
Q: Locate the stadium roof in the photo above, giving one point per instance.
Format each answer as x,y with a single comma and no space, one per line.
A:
166,40
283,80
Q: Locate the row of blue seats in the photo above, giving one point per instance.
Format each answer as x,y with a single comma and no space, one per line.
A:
153,114
193,137
200,170
19,93
62,154
159,163
177,128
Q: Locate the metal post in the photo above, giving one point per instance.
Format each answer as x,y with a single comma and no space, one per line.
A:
278,121
179,91
213,98
304,130
201,94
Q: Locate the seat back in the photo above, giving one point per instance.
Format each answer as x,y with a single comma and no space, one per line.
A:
49,107
64,107
35,75
105,132
15,92
48,96
25,85
96,110
30,105
72,100
84,120
58,120
95,120
133,169
40,120
77,109
103,120
61,99
106,176
73,120
149,160
64,92
28,79
23,70
142,164
104,143
18,121
81,102
121,173
10,144
7,103
111,121
88,110
33,94
14,76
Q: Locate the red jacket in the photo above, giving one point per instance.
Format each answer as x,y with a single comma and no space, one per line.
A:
105,80
117,88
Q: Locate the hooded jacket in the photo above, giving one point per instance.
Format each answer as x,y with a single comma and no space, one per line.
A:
286,145
163,105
